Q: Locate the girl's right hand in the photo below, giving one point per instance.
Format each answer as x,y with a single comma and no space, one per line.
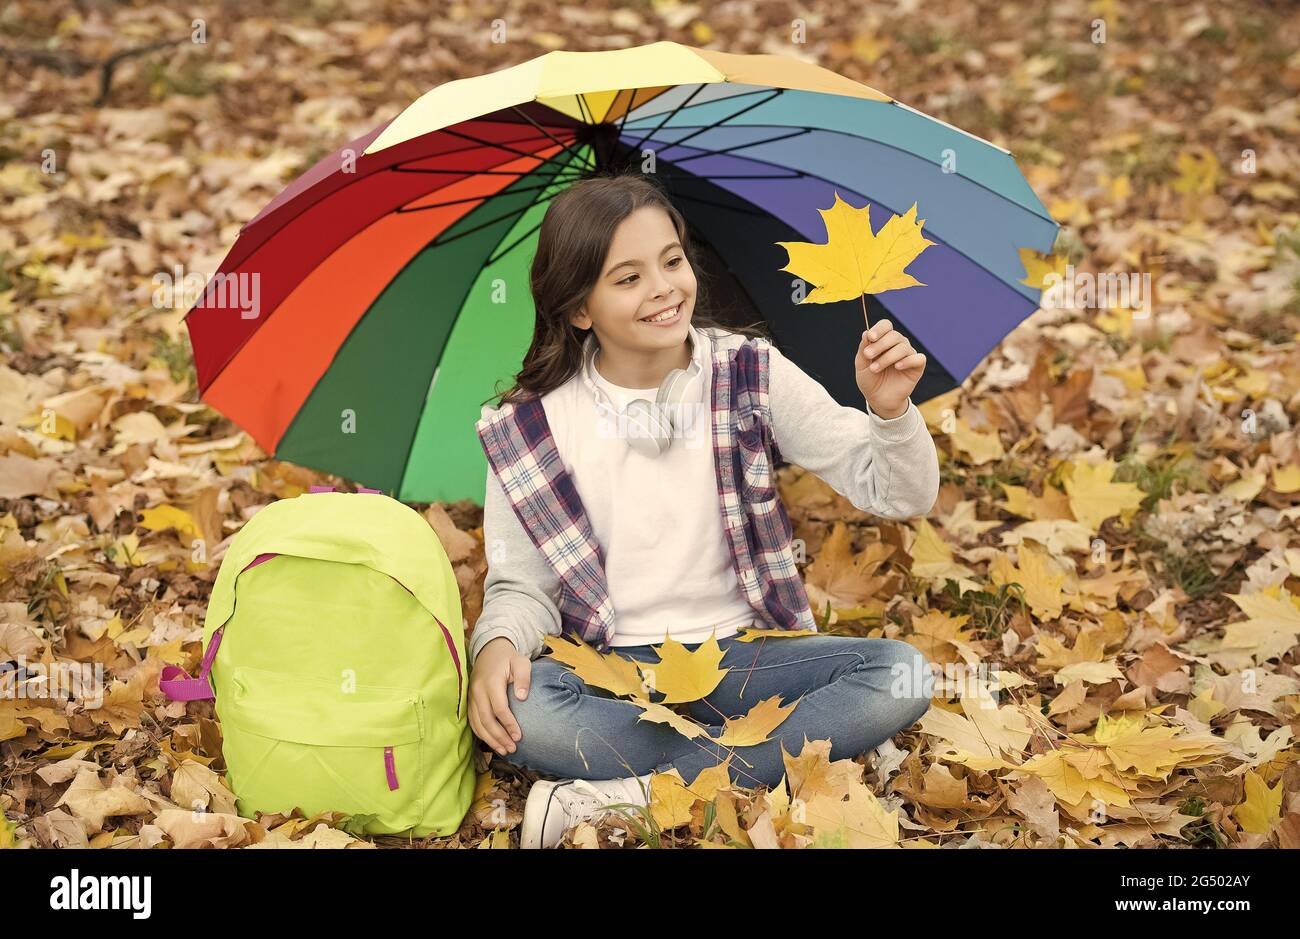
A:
497,664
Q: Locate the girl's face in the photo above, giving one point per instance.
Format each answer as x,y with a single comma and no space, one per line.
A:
644,273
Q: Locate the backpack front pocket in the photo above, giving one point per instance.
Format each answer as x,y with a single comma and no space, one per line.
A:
323,744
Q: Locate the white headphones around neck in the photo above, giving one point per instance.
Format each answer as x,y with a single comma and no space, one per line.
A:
650,426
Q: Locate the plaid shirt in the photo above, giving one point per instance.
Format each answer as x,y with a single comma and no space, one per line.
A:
521,452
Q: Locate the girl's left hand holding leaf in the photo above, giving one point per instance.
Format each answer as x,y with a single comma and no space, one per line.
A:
887,368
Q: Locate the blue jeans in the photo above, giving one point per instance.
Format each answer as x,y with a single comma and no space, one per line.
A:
856,692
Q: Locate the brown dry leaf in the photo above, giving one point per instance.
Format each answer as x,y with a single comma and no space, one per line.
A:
91,800
23,476
188,829
842,578
196,787
122,705
942,637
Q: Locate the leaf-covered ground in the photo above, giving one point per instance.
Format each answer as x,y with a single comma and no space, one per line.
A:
1115,548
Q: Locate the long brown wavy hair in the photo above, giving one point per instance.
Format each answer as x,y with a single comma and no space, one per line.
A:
572,245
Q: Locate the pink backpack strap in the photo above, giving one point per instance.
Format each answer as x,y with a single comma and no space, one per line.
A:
176,683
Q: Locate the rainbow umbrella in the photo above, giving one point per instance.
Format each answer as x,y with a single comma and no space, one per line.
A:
393,275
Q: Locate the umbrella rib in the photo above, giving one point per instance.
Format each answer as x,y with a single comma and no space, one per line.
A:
497,146
567,147
495,195
463,172
757,213
438,243
510,247
776,93
669,116
793,174
627,111
448,152
590,120
740,146
685,106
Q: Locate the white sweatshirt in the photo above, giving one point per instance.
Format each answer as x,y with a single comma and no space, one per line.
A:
657,519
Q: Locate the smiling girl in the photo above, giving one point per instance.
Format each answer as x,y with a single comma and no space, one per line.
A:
630,499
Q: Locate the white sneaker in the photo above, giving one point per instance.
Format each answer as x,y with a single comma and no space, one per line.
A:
554,807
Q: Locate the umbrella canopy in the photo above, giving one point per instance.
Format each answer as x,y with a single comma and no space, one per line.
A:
393,275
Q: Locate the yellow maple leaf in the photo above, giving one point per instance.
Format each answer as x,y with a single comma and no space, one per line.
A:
1095,498
931,556
1052,504
854,260
749,635
1038,267
755,726
980,737
1075,774
169,652
53,425
122,706
869,47
1198,170
670,800
1040,577
162,517
91,800
1262,808
711,780
683,675
1089,646
1286,479
942,637
659,714
812,772
611,672
981,447
1273,625
1154,751
8,833
1094,673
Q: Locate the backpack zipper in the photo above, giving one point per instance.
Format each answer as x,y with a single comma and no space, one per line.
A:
451,646
390,767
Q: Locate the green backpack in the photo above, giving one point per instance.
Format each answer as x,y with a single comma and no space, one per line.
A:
341,683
